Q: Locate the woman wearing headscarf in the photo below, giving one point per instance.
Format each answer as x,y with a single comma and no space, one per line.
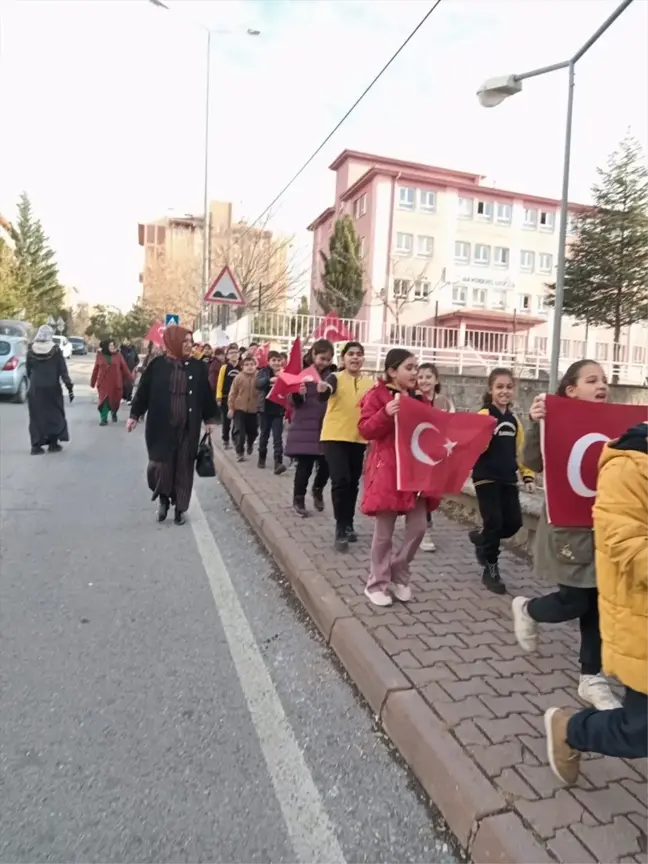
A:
108,376
46,368
175,395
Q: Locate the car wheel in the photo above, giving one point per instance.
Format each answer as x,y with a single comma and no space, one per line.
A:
21,395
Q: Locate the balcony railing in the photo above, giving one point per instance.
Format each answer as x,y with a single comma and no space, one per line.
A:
460,352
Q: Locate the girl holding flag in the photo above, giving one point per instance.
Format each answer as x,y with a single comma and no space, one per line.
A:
565,556
390,571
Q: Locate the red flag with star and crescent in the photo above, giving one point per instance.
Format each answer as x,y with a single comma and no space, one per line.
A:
435,450
573,435
333,329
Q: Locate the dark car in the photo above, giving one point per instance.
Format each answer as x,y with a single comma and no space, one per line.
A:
79,345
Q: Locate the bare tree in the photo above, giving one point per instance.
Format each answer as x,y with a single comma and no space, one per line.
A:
402,291
174,286
268,269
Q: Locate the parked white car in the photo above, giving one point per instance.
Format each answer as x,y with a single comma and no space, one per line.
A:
65,345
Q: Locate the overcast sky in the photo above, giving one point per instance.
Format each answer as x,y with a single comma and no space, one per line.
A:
102,106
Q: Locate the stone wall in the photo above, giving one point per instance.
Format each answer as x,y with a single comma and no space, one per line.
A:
466,392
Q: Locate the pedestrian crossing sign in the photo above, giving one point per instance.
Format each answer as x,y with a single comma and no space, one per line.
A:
171,318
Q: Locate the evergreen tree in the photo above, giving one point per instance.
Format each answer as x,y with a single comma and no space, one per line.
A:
342,274
11,301
36,270
606,274
137,321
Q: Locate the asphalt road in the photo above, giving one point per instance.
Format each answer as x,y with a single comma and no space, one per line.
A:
163,697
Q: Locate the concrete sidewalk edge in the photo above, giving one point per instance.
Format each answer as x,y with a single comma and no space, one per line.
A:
475,811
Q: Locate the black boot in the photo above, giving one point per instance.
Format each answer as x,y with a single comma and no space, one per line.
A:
54,447
262,461
299,506
318,499
37,451
179,518
341,543
114,416
492,580
351,535
163,508
475,538
279,468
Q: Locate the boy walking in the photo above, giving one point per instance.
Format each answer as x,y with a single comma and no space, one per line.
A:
621,541
226,375
243,403
271,414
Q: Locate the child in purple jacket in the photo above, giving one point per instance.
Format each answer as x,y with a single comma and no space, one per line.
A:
303,443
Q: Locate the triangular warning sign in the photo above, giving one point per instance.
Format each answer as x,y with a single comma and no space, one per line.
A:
224,289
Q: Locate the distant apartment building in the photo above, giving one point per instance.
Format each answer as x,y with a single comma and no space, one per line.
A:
173,249
442,249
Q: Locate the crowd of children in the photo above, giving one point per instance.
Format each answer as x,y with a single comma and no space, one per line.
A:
343,426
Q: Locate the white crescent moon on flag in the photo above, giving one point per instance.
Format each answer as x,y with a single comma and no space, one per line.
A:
575,463
417,451
327,330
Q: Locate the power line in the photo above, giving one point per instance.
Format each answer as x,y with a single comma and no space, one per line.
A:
347,115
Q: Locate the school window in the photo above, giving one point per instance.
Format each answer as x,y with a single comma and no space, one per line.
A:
482,254
485,210
428,200
545,262
503,214
150,233
547,220
421,289
530,217
601,351
565,348
459,295
161,235
401,289
425,247
542,307
498,300
524,302
404,243
541,344
406,195
479,297
462,252
466,207
501,256
527,261
638,354
360,206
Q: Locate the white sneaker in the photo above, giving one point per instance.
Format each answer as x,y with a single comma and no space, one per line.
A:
526,629
428,544
379,598
401,592
595,690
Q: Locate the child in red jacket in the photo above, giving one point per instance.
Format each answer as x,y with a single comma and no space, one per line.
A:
389,573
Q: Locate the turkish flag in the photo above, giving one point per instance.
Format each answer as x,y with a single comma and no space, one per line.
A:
261,355
288,383
333,329
435,450
295,363
573,435
156,334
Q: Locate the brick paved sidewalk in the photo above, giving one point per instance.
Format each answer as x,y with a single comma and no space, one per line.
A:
454,645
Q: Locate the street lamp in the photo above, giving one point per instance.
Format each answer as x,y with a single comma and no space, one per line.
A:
492,93
250,31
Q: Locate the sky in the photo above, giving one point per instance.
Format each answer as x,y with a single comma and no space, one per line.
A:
102,107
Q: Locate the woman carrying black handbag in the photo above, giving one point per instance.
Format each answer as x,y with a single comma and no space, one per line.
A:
205,457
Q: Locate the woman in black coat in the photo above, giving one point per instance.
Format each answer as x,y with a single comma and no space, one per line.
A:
175,395
46,368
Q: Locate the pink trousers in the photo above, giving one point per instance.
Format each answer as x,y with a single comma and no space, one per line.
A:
389,566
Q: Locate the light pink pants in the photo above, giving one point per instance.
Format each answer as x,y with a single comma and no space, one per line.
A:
387,566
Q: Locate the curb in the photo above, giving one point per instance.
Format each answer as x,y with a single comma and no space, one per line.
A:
474,810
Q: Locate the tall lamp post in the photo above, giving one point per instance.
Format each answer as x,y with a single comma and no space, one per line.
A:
206,233
496,90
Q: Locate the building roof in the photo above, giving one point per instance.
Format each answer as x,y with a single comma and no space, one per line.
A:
384,161
324,216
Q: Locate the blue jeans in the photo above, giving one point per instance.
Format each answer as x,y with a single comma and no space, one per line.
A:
622,732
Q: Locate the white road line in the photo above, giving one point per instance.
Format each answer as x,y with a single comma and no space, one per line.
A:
306,819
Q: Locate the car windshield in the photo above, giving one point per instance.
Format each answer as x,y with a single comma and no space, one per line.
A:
76,340
5,348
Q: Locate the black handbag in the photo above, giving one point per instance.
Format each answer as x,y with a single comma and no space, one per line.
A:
205,458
